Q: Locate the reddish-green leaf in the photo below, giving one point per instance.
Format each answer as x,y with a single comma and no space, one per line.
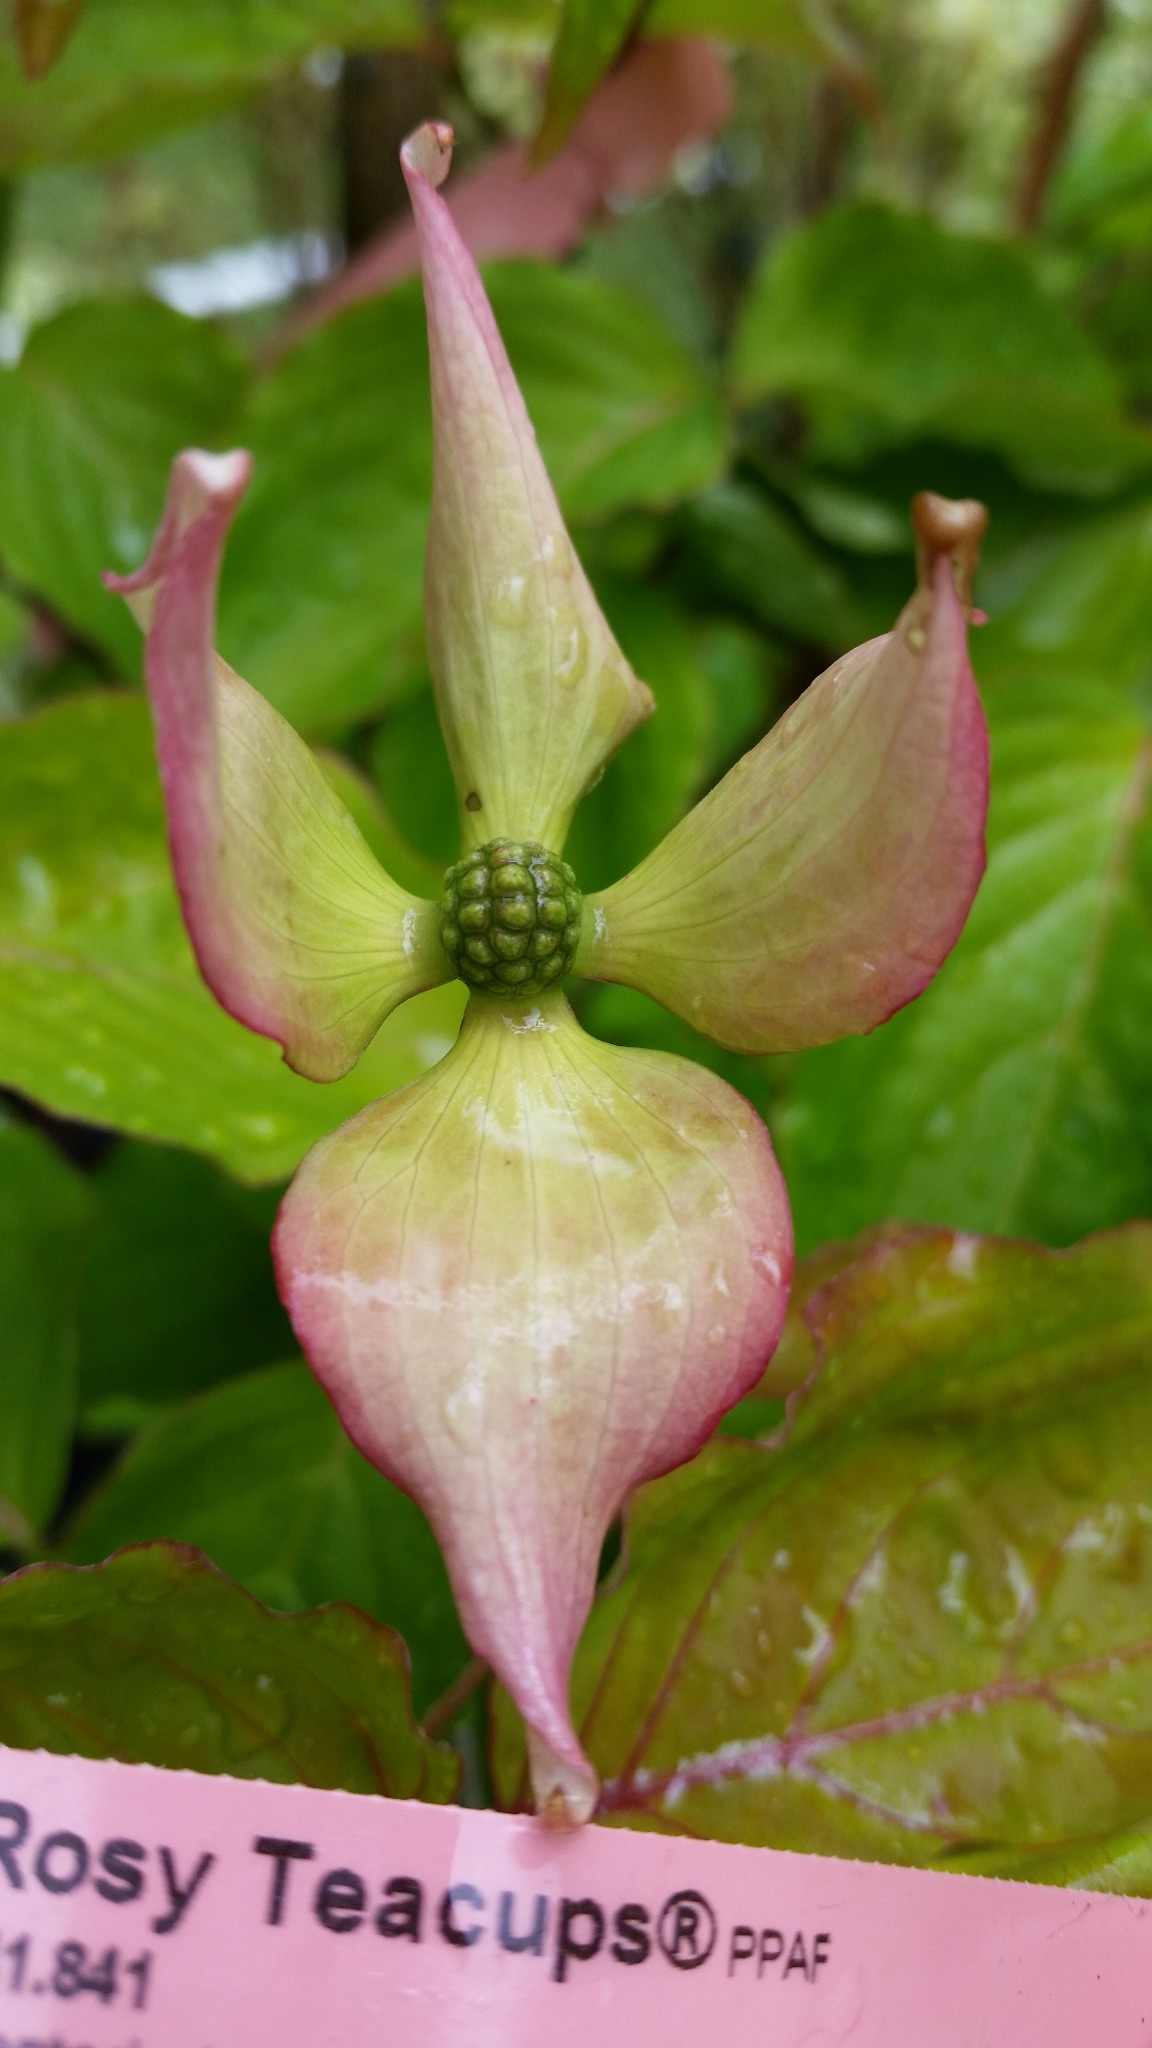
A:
260,1476
920,1631
157,1658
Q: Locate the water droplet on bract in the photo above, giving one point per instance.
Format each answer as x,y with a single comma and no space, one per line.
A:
558,556
507,602
741,1684
571,648
461,1412
763,1642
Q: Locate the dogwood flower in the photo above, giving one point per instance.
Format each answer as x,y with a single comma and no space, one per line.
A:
541,1273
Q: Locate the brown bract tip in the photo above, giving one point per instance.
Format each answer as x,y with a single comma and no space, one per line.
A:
949,526
555,1813
428,151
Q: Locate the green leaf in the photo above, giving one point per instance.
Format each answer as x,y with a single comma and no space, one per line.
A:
321,597
44,1217
260,1475
1119,1862
101,400
321,589
1078,600
43,29
1104,182
624,414
399,859
741,549
157,1658
1016,1094
103,1015
747,676
465,17
179,1290
411,766
136,68
589,38
887,326
660,769
776,24
920,1631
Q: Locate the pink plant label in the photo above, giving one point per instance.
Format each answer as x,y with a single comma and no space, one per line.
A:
142,1908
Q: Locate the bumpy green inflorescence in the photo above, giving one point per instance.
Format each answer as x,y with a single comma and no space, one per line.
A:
510,917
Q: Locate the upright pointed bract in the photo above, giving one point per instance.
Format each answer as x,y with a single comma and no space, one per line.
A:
533,692
541,1273
297,930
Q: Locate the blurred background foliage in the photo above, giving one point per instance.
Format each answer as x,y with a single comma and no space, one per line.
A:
873,247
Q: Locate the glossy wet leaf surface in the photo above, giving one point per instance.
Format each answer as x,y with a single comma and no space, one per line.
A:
103,1015
260,1476
157,1658
920,1630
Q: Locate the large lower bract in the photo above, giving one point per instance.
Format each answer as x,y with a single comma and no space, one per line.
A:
530,1280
